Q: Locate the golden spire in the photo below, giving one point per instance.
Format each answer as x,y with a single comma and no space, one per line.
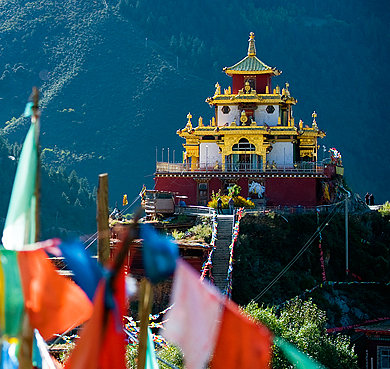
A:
251,47
189,124
314,115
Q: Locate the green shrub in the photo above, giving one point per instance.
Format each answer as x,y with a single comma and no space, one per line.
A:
385,209
169,354
201,231
239,202
303,324
177,235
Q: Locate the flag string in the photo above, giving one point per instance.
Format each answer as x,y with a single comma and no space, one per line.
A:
236,231
208,264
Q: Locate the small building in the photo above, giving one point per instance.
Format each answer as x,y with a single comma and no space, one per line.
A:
373,345
195,252
252,140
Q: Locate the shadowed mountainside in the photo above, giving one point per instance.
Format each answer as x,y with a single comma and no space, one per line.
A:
110,96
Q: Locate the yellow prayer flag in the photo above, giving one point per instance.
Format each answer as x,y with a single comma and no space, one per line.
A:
125,202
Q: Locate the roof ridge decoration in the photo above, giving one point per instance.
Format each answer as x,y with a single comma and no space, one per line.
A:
251,64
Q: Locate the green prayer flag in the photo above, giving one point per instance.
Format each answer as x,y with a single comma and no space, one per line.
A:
19,228
12,305
151,360
296,357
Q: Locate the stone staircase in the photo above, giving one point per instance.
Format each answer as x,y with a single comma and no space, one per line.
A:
221,254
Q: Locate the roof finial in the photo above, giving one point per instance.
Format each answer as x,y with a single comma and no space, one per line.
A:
251,47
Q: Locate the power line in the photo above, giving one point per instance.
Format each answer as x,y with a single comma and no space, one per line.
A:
301,251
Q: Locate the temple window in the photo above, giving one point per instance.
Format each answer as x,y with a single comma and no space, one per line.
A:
243,145
225,110
383,357
270,109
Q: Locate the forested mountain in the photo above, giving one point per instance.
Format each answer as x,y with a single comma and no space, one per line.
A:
68,207
119,77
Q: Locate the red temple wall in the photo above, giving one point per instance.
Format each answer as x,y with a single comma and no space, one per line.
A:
243,183
238,83
183,186
278,191
291,191
330,170
262,80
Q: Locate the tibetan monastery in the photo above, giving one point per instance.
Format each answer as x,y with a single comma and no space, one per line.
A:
253,141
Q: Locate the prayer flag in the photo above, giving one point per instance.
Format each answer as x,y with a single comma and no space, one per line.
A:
86,270
19,228
12,304
143,190
194,320
242,343
54,303
45,360
151,361
159,254
8,359
102,341
125,202
296,357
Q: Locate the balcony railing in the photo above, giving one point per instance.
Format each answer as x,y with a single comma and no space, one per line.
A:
299,167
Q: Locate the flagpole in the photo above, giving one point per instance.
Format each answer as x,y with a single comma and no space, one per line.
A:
144,311
35,118
27,335
102,220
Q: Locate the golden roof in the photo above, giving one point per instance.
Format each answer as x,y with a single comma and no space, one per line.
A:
251,64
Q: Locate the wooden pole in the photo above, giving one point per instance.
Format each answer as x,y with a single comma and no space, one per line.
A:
144,311
102,220
36,119
27,335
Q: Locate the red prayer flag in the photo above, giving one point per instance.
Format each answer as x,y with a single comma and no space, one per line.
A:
102,343
241,343
54,303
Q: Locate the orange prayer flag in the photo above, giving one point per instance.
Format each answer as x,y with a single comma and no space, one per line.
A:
54,303
241,343
102,343
86,353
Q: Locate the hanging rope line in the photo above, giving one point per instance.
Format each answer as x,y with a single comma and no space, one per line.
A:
236,230
94,236
129,206
320,247
300,252
208,264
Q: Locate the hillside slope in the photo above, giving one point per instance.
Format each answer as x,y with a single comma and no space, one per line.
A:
107,99
112,89
67,207
267,244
